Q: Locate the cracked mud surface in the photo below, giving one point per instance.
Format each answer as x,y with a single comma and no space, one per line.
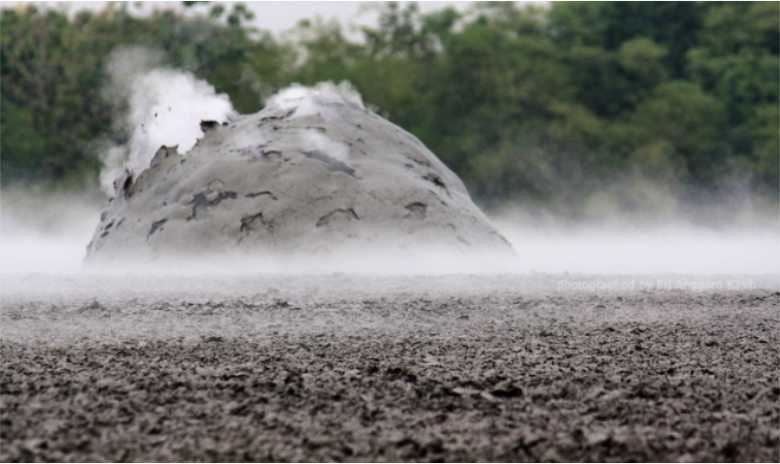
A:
345,368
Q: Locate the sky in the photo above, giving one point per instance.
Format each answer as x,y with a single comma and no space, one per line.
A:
276,16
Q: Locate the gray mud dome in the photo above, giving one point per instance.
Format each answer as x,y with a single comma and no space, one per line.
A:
312,174
339,368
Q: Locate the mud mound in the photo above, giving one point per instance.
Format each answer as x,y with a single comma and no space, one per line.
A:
315,172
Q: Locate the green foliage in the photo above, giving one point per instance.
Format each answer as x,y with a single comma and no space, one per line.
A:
573,107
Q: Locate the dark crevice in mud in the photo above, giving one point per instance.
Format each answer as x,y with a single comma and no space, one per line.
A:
248,224
258,152
416,209
333,164
271,154
421,162
436,180
107,228
201,200
501,237
314,128
206,126
252,149
347,214
156,225
127,185
360,140
163,153
277,117
260,194
353,148
463,241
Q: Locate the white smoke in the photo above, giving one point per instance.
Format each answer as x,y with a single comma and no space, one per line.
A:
163,107
314,141
308,101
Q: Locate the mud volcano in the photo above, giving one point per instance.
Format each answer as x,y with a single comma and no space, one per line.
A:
314,172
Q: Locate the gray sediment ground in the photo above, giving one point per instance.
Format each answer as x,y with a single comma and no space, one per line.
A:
341,367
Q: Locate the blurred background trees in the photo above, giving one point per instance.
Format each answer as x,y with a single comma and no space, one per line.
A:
573,108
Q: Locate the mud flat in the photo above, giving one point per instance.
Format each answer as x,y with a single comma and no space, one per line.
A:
339,367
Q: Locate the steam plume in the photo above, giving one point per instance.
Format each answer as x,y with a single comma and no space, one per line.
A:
162,106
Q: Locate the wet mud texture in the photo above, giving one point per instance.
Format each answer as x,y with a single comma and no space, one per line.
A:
393,371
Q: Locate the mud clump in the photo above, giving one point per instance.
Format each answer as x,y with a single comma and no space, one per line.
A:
314,172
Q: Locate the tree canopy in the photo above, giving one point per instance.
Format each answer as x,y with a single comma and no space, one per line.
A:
572,107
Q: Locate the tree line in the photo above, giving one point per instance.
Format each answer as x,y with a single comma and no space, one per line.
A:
576,108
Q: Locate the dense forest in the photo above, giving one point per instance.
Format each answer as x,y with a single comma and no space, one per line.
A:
576,108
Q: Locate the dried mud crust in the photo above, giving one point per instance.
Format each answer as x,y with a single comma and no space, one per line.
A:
462,381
